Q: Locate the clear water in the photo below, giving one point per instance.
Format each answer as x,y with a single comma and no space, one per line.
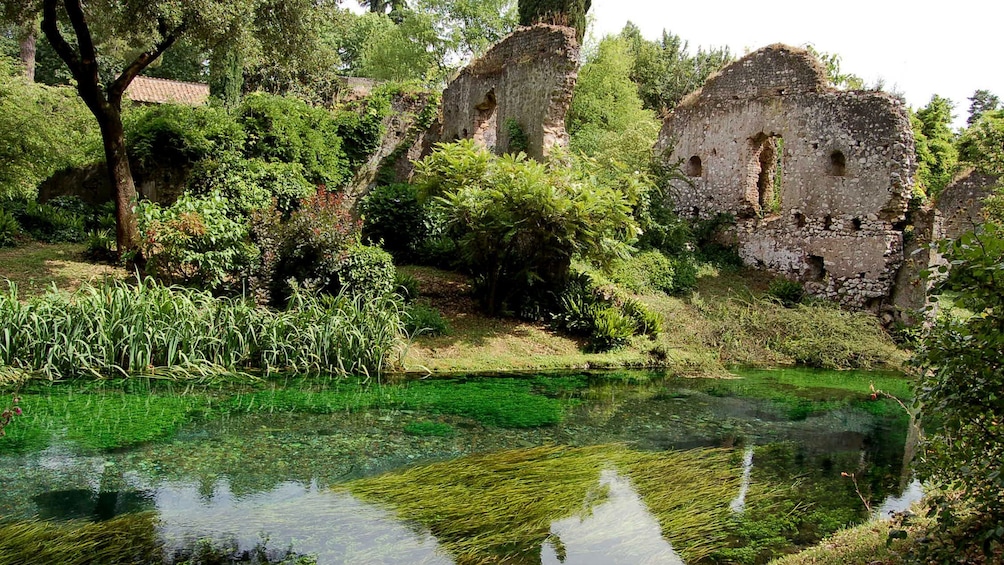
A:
282,480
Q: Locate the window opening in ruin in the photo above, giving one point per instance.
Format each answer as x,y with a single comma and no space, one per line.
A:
828,222
766,174
800,220
856,222
694,167
485,121
838,164
816,268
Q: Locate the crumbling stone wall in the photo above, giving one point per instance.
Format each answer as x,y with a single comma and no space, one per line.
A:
817,179
527,77
959,207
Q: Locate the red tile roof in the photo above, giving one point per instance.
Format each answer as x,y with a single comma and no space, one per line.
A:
160,91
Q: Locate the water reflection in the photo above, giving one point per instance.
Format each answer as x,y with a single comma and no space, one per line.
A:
619,530
334,527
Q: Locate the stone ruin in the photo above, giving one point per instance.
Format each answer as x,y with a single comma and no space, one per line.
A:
526,80
817,179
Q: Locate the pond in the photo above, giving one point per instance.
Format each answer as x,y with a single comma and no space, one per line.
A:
625,467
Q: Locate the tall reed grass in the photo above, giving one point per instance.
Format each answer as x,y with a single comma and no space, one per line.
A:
118,328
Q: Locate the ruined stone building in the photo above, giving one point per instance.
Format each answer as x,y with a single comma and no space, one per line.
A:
525,81
818,180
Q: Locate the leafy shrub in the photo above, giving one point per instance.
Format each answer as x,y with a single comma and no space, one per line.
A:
306,249
646,321
960,387
250,184
406,286
519,222
364,270
518,141
360,124
422,319
180,135
651,270
100,245
46,222
194,242
787,292
10,230
287,130
42,130
611,329
394,218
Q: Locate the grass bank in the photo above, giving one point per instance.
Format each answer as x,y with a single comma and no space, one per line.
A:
727,321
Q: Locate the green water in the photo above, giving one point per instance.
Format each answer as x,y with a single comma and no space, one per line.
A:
626,467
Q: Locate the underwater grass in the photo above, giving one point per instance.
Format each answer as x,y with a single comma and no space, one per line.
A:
127,539
116,328
499,507
99,421
507,403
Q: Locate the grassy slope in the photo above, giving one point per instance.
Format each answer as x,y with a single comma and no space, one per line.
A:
35,266
722,323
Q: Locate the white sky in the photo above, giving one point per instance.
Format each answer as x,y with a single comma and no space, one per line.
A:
918,48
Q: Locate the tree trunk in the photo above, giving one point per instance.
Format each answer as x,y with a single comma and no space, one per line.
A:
120,175
27,42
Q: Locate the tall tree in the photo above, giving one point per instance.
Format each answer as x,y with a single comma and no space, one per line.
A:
571,13
981,101
937,156
23,15
147,30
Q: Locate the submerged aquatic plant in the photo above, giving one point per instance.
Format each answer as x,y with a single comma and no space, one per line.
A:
500,507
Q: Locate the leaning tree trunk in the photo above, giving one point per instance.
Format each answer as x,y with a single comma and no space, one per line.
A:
120,175
28,48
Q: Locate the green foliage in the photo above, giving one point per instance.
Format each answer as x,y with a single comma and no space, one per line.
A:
602,314
10,230
430,429
518,141
147,328
42,130
286,129
49,222
394,218
424,320
982,144
665,71
519,223
360,124
962,379
787,292
365,271
571,13
980,102
406,286
406,51
838,78
937,156
652,271
195,243
177,135
307,249
606,119
247,185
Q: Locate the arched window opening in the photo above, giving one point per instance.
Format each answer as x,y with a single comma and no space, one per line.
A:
694,167
765,174
838,164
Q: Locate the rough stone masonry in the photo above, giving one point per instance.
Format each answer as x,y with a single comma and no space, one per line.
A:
817,179
525,80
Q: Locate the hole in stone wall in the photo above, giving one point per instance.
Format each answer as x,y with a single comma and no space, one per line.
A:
765,176
695,211
856,222
838,164
694,167
486,121
800,220
828,222
816,268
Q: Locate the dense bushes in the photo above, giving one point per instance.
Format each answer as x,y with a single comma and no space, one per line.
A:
42,130
651,270
518,223
63,219
603,314
146,328
250,184
393,217
177,135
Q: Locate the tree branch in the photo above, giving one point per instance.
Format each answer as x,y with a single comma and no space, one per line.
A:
50,27
168,38
85,43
